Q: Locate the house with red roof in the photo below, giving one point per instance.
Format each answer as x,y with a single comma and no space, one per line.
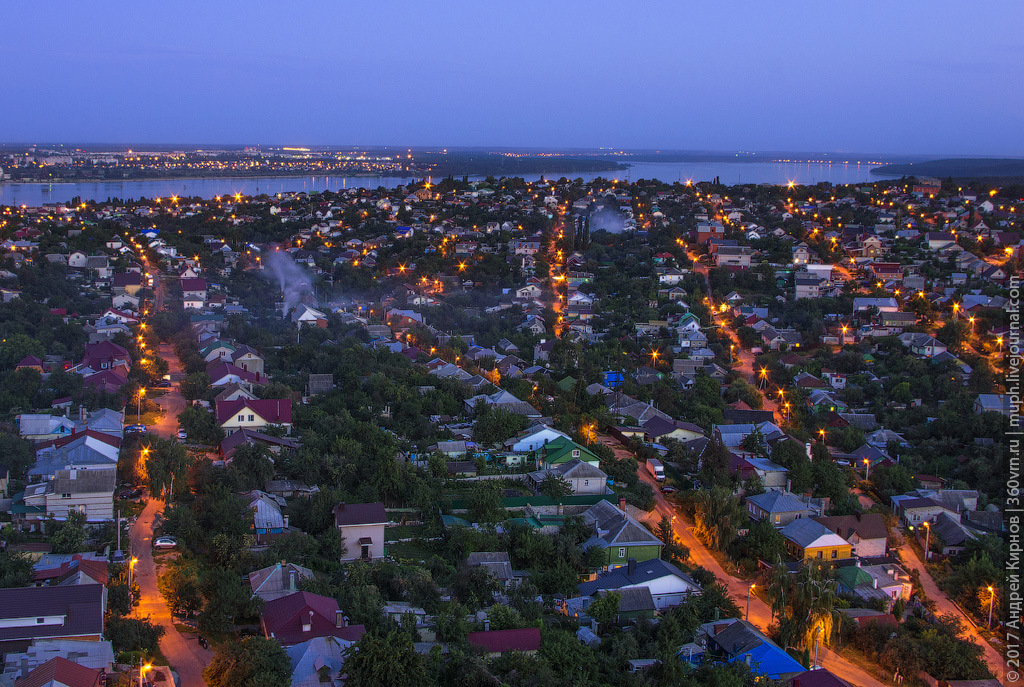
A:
60,672
30,362
107,381
106,355
302,616
126,282
497,642
222,374
254,414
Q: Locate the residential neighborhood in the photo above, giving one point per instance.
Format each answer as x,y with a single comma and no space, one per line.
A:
756,433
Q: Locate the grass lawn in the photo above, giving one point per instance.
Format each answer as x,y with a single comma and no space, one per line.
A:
404,532
412,550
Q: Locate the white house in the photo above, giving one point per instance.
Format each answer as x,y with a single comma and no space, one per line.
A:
533,438
361,527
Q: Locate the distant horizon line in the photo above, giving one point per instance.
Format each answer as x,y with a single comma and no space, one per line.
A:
603,151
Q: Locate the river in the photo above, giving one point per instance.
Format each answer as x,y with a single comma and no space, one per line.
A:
728,172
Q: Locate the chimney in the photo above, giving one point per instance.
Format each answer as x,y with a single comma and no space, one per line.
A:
807,447
789,486
631,566
622,503
291,580
487,624
339,619
308,625
874,583
858,563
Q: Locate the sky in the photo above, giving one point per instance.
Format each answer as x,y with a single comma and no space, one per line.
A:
906,77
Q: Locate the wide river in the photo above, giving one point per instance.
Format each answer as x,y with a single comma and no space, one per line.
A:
728,173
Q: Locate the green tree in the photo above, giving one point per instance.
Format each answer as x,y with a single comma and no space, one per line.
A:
605,609
385,660
194,386
69,536
554,486
15,569
495,425
251,662
717,516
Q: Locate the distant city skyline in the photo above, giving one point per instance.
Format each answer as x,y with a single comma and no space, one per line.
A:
913,78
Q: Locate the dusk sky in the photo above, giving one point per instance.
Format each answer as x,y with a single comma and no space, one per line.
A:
887,77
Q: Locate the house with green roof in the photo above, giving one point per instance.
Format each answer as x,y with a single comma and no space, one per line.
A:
619,537
562,450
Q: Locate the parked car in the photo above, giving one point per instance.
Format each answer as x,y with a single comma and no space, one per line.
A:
163,383
668,489
135,429
182,435
165,543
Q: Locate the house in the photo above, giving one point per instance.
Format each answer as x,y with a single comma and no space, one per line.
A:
533,438
667,584
194,289
223,374
106,355
496,563
268,522
497,642
254,414
250,437
43,426
305,315
808,285
280,579
779,507
915,511
806,538
661,430
563,450
248,359
741,642
922,344
818,677
90,492
619,536
318,661
126,282
583,478
60,672
97,656
302,616
868,583
949,534
772,475
30,362
994,403
30,613
361,527
866,532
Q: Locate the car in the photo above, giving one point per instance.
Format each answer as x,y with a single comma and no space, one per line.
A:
163,384
182,434
165,543
668,489
135,429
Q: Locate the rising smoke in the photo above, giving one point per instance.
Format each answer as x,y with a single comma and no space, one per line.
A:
293,279
603,218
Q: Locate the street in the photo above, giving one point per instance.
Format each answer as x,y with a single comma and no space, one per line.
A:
185,656
944,606
172,403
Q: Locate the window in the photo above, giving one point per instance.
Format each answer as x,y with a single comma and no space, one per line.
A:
575,453
835,553
252,418
586,482
777,516
622,552
820,554
40,621
241,418
65,496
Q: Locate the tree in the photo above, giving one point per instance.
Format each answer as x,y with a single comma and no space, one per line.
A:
15,569
201,425
194,386
484,503
70,534
133,634
385,660
16,455
672,551
504,617
717,516
554,486
495,425
251,662
605,609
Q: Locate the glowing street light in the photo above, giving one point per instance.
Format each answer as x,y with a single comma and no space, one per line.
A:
927,539
142,392
143,669
991,601
750,588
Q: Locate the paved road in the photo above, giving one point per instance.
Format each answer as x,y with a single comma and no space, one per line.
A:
171,403
944,606
184,655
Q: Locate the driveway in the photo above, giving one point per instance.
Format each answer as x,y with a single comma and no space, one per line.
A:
943,606
184,655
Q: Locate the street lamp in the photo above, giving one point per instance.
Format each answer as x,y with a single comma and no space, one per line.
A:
867,464
142,392
732,347
131,569
991,601
927,539
142,671
822,433
999,340
750,588
971,320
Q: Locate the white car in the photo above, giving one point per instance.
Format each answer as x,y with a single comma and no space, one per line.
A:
165,543
182,435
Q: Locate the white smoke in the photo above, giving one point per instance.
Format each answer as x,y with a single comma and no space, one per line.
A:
603,218
293,279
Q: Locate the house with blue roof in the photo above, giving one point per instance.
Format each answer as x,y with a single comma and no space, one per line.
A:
738,641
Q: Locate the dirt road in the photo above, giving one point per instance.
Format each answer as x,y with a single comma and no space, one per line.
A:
184,654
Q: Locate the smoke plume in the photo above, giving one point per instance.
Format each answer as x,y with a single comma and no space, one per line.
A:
603,218
293,279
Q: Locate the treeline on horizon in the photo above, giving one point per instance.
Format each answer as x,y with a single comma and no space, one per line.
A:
959,168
